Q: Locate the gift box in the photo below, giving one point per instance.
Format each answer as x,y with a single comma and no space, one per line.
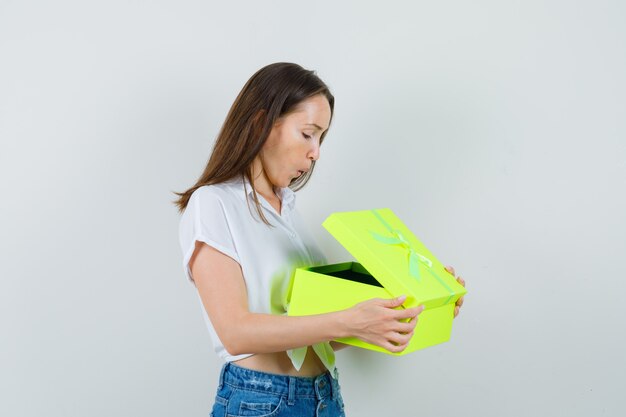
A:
391,262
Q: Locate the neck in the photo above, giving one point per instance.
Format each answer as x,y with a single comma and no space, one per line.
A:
260,182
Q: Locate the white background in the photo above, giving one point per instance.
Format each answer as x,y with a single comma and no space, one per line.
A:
494,129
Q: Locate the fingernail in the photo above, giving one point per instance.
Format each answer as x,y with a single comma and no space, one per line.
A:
402,297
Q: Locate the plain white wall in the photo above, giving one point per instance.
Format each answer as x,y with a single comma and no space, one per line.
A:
494,129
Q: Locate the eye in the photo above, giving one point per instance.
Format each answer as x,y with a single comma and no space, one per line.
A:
306,136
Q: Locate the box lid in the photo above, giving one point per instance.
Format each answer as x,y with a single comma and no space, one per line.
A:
394,256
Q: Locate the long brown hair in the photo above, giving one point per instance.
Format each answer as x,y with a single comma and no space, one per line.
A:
270,94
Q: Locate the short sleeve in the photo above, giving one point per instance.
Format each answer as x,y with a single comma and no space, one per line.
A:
205,220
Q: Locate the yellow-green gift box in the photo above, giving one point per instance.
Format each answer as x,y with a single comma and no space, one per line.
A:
391,262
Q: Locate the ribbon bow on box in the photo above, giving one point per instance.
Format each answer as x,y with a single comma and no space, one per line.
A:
414,258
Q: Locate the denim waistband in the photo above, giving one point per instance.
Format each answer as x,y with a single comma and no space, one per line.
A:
320,387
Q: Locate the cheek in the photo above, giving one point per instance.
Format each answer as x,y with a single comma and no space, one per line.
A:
293,153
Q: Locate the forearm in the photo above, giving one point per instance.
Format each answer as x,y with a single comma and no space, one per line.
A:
264,333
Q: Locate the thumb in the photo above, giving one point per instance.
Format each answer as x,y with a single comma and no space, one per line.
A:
394,302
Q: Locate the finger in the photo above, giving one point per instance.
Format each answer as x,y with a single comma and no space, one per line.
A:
399,339
450,269
459,302
404,328
461,281
393,348
408,313
456,311
409,320
393,302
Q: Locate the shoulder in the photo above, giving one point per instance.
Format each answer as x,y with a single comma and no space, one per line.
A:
224,194
210,211
209,192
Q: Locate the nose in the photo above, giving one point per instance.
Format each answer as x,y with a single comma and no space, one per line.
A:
314,152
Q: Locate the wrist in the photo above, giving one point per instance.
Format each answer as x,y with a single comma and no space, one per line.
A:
342,324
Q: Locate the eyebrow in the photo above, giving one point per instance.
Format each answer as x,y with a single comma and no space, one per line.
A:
313,124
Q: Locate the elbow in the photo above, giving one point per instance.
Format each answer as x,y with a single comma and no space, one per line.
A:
233,349
233,343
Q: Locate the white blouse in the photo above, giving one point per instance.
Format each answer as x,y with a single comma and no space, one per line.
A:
219,216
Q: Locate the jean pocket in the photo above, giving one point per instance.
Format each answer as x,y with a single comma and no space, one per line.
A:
255,405
340,402
221,402
219,407
340,398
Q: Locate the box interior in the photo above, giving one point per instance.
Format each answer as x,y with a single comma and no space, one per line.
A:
351,271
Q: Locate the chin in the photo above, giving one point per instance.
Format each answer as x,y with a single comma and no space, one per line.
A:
282,183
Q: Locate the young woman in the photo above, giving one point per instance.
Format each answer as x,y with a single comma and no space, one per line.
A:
242,240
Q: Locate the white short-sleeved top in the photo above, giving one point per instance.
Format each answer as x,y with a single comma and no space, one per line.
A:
218,215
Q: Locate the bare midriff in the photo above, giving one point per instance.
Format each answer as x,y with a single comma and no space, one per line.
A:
279,363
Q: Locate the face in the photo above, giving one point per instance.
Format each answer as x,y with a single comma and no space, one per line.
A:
294,142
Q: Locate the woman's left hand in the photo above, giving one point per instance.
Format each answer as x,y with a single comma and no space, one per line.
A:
461,281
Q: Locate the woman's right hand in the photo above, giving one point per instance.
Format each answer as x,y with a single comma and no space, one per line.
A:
376,321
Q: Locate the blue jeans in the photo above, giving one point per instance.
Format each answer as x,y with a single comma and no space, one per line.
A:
246,392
